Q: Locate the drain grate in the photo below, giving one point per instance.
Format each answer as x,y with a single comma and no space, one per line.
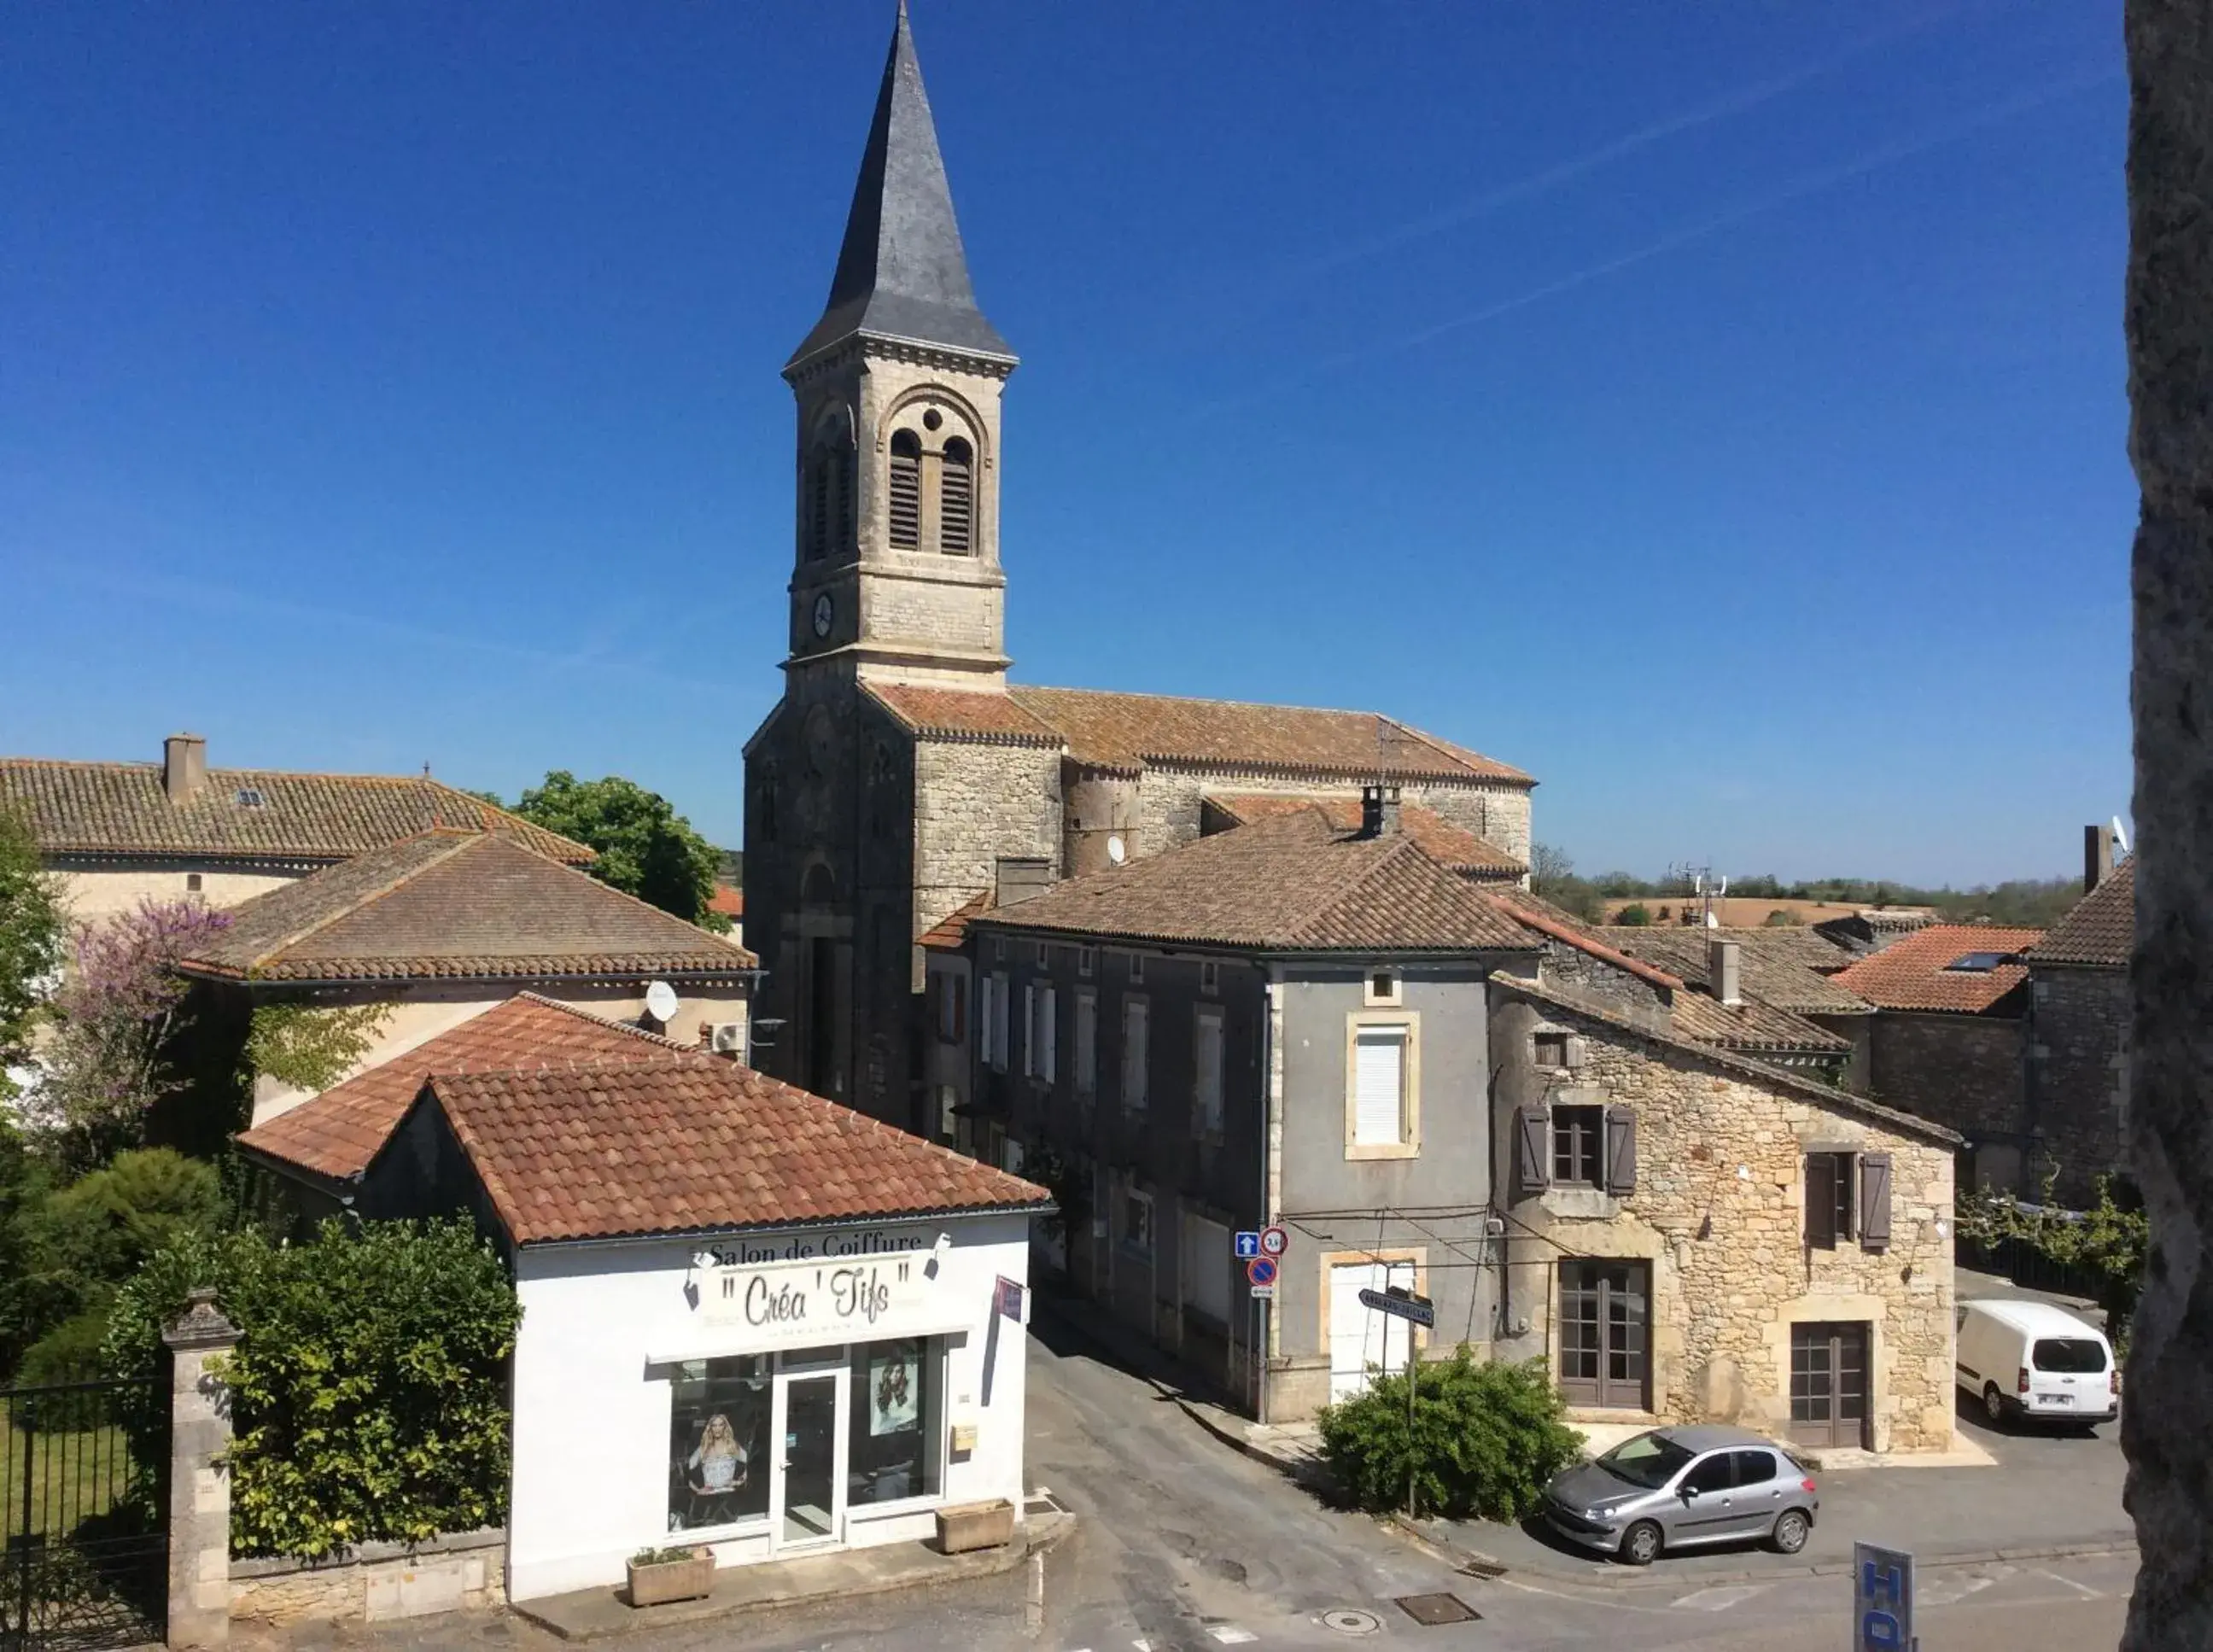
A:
1042,1502
1434,1611
1485,1570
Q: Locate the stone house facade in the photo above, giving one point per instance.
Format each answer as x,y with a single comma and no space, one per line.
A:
1695,1235
901,776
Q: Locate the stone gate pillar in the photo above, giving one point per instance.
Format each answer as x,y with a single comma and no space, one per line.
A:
199,1485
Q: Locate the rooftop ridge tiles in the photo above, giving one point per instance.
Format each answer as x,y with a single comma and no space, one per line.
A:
369,897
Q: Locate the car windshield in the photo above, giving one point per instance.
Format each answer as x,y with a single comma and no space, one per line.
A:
2072,1354
1649,1460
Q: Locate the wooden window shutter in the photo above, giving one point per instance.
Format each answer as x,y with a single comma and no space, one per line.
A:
1822,1200
1533,1155
1573,1052
1874,1201
1621,1151
904,504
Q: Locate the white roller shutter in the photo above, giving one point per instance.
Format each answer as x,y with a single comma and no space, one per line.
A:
1380,1077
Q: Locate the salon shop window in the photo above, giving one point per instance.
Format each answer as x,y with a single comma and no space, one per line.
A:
895,1421
718,1455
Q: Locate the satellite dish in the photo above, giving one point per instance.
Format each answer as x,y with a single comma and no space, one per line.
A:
661,1002
2121,834
1117,851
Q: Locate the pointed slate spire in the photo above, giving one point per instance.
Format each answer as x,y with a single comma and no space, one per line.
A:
901,272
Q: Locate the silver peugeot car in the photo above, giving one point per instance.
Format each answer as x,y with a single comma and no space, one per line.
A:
1681,1487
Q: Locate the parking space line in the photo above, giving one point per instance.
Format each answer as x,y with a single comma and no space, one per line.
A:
2083,1589
1720,1599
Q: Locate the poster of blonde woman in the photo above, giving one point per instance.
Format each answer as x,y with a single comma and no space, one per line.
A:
893,1394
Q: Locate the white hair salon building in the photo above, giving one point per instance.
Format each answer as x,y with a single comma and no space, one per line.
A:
752,1319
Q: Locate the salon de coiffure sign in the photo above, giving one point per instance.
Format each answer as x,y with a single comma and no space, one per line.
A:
827,1287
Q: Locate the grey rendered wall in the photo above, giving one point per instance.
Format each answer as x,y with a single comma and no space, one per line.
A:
1433,1204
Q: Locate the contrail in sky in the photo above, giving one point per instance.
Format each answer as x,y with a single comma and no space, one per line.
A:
1550,178
1811,183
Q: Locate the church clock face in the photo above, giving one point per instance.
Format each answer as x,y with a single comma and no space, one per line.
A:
826,613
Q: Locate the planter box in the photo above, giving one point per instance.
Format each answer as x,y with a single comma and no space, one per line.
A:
663,1581
976,1526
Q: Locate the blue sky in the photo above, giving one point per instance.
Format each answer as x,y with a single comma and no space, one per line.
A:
1718,411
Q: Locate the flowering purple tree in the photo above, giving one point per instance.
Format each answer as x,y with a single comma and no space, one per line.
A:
119,1007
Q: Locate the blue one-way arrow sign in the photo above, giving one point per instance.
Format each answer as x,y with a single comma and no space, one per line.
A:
1248,1244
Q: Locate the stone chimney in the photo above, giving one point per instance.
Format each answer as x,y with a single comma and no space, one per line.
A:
1379,811
1724,972
2097,855
184,766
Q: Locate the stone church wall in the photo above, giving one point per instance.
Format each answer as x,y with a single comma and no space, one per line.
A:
1168,803
974,803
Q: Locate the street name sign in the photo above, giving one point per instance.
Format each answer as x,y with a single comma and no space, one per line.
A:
1403,1304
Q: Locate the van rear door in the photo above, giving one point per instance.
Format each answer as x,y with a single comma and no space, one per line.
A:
2067,1374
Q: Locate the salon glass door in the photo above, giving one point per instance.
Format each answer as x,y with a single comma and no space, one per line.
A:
807,1501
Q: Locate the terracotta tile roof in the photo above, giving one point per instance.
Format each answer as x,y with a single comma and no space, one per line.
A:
728,900
692,1146
120,809
338,1134
1533,911
1125,731
1912,973
1752,1026
1447,844
1290,884
951,931
457,905
2099,930
959,715
1768,964
1825,1095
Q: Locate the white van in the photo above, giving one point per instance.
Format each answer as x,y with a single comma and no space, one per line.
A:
2031,1360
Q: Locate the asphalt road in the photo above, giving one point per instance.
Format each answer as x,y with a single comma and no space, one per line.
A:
1185,1545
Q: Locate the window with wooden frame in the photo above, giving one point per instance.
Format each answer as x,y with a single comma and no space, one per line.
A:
1137,1053
1086,1043
1554,1146
952,1007
1206,1074
1579,1146
1847,1198
956,499
903,524
1040,1031
1551,1048
1044,959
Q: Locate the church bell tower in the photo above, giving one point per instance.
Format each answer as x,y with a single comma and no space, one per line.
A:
895,569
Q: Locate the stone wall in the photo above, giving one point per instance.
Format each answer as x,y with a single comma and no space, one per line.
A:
376,1583
1169,797
972,804
96,889
2077,1079
1962,1072
1718,1213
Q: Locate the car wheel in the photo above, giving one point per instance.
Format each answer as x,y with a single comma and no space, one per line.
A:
1790,1531
1993,1404
1640,1544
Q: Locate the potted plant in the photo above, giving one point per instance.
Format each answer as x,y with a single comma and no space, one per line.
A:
659,1576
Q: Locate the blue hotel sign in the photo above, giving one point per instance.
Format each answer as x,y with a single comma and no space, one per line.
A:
1882,1600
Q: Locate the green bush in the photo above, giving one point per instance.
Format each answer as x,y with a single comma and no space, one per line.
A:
1634,916
1484,1439
103,1226
70,1353
369,1390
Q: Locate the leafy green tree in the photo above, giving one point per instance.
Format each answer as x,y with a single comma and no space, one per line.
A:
34,929
369,1389
645,848
1483,1439
1552,875
28,1305
309,1047
1636,914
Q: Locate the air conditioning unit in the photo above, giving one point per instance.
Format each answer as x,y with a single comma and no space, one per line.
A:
728,1039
